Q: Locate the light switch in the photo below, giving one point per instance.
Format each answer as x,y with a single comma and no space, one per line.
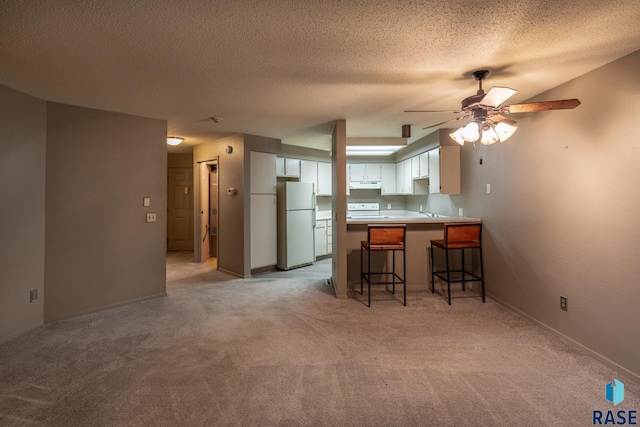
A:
146,202
488,188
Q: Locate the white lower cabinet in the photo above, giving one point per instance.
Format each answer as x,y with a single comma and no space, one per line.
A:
323,237
263,230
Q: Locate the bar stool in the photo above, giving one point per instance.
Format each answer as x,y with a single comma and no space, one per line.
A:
458,237
384,237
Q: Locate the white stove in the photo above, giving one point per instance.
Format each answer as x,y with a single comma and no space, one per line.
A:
363,211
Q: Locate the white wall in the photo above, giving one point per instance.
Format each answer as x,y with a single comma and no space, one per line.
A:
561,218
22,192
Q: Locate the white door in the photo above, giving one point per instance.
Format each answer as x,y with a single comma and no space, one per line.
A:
264,239
203,233
300,234
299,195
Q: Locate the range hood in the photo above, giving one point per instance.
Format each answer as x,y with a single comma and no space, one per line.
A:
365,185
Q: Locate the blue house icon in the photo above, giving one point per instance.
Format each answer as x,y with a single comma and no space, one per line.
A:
615,392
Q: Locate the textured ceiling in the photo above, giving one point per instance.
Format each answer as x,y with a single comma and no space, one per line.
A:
287,69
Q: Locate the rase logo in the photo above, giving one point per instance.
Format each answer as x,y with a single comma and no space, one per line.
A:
614,393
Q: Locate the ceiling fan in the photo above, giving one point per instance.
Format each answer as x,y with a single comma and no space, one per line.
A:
490,123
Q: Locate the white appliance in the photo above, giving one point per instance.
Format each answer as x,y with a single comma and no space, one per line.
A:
364,211
365,185
296,222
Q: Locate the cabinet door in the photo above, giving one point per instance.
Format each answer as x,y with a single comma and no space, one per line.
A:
415,167
400,178
262,170
373,172
424,164
280,166
324,179
388,178
357,172
408,179
329,237
292,168
321,238
434,171
264,239
309,173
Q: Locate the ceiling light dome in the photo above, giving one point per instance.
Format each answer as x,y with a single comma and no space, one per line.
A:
174,140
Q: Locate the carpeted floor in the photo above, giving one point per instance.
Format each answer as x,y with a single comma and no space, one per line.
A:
280,349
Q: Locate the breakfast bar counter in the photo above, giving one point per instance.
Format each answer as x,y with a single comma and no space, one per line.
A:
421,229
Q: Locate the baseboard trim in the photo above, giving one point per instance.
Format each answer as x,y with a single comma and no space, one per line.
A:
575,344
21,331
103,307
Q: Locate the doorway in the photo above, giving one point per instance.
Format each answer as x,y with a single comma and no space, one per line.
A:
206,249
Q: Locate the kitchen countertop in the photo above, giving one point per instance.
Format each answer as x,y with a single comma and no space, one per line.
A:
409,217
323,215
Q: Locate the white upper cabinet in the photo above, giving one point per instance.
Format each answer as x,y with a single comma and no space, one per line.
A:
388,178
424,164
415,167
407,176
360,172
324,179
309,173
288,167
262,167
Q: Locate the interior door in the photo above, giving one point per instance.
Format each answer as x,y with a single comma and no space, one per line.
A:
180,210
203,176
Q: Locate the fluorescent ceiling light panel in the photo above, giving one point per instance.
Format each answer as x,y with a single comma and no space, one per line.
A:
374,146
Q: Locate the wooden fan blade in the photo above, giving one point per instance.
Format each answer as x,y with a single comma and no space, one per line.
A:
497,95
432,111
532,107
448,121
499,118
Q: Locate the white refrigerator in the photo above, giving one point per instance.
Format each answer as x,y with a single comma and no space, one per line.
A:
296,222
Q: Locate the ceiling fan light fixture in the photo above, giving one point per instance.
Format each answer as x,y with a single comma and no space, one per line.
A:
489,135
471,132
504,130
174,140
457,137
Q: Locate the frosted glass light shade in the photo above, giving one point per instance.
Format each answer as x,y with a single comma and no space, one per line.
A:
505,131
457,137
470,132
174,140
489,135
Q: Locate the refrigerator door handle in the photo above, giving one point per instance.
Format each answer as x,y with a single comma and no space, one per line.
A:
314,218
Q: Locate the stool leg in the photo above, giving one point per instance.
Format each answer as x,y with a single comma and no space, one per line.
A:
369,277
404,276
463,270
481,273
361,270
448,277
433,272
393,272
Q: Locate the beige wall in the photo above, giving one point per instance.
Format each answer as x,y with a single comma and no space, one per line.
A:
561,218
231,241
339,208
22,192
99,250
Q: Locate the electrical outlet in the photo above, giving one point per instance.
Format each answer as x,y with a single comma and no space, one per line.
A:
563,303
33,295
388,205
151,217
